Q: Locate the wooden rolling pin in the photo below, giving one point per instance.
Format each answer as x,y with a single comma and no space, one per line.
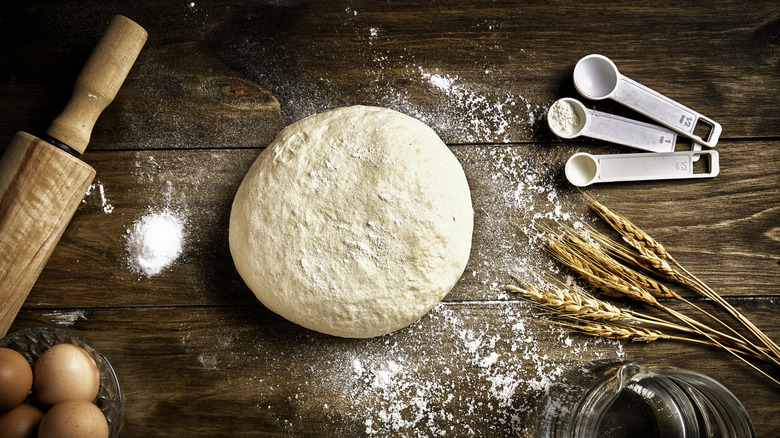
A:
42,180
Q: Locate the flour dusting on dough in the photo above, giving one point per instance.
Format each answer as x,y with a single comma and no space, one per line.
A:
340,227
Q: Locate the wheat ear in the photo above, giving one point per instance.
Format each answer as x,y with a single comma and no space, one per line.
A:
573,304
608,283
610,277
649,247
648,263
564,301
632,234
615,331
641,281
658,267
609,264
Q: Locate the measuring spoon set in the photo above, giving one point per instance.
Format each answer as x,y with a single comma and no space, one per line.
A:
596,77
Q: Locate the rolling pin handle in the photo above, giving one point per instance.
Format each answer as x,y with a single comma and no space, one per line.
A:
98,82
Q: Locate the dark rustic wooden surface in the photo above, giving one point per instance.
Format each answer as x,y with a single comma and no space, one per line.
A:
197,355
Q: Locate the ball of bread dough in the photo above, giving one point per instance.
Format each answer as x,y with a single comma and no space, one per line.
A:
354,222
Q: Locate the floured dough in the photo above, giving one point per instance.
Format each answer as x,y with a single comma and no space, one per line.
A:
353,222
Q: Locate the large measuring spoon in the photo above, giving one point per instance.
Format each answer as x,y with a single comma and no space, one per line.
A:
568,118
597,78
584,169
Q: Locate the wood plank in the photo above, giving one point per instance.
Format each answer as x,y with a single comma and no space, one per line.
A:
198,355
231,74
206,370
724,229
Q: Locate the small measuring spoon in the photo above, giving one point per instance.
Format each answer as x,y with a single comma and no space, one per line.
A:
597,78
608,127
584,169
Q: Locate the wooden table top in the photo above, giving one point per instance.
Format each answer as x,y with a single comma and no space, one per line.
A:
197,355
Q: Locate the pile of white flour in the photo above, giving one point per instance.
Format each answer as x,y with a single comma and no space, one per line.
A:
563,119
154,242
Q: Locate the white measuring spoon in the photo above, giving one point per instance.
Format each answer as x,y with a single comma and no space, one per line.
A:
608,127
597,78
584,169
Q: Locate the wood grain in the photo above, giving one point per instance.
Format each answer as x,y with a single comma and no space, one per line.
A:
721,60
40,189
732,248
242,368
198,355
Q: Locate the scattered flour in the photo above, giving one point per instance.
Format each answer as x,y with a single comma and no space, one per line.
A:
480,115
486,374
68,318
154,242
208,361
105,205
443,83
496,385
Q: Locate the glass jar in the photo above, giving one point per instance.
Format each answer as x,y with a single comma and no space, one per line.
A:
609,400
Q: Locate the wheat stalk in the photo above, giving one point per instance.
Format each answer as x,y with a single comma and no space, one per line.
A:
640,334
604,264
711,294
656,266
574,304
568,302
649,247
649,263
609,264
606,282
602,259
632,234
587,261
616,331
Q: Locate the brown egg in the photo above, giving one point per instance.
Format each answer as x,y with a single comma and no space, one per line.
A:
73,419
65,372
15,378
20,422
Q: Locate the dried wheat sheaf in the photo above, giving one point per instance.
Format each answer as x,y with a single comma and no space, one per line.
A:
637,271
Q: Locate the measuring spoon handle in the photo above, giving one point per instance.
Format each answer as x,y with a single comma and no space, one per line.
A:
665,110
628,132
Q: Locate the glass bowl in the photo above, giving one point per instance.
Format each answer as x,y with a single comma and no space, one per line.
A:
31,343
